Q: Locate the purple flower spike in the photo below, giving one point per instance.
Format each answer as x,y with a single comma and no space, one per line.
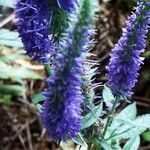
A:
61,113
67,5
125,58
33,19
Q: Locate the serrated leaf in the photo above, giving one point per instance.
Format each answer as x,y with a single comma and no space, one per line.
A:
9,72
38,98
79,140
126,132
128,129
12,89
10,38
132,143
107,95
91,117
128,112
7,3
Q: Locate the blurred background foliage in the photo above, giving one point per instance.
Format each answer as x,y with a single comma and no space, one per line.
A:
20,78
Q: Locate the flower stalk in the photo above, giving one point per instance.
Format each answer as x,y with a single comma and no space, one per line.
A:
109,117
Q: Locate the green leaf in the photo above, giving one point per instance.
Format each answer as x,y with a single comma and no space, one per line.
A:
9,72
6,100
11,57
10,38
105,145
79,140
128,112
12,89
143,121
118,125
7,3
38,98
146,136
130,128
132,143
91,117
107,94
38,107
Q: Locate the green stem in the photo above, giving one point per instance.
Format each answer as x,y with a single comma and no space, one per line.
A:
48,69
109,119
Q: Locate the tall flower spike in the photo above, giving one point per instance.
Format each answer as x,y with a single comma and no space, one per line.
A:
61,112
33,20
125,58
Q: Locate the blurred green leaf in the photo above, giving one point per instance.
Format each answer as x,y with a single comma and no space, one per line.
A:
146,136
38,107
147,54
10,38
6,100
12,89
7,3
38,98
10,57
91,117
9,72
132,144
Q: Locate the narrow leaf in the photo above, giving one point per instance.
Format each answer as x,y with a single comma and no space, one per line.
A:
105,145
9,72
79,140
91,117
132,143
12,89
10,38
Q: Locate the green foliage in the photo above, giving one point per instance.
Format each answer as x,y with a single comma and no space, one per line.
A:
107,95
146,136
124,114
38,107
127,126
38,98
59,23
6,100
12,89
105,145
91,117
10,38
11,57
7,3
132,143
79,140
14,73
